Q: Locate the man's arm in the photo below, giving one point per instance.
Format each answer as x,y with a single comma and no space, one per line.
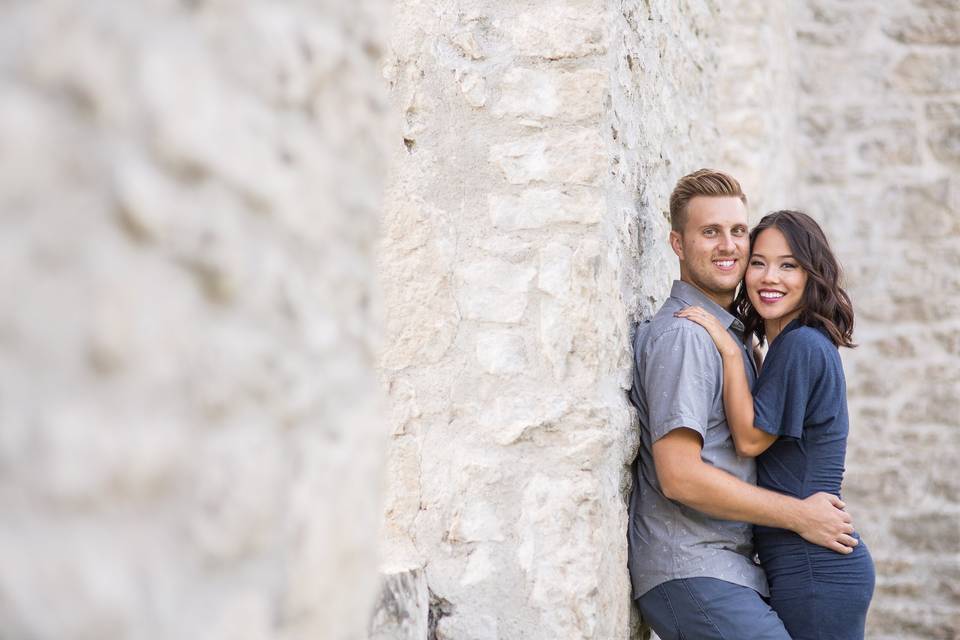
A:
686,478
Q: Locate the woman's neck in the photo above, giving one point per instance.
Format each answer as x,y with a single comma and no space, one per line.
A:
773,328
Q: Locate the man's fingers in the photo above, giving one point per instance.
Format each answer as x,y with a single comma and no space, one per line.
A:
837,502
839,548
848,528
848,541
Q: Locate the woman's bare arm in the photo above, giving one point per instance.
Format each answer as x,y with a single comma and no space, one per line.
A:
737,399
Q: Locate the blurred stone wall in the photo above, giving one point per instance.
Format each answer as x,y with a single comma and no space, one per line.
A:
879,165
190,439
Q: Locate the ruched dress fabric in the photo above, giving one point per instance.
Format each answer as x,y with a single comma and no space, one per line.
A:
800,395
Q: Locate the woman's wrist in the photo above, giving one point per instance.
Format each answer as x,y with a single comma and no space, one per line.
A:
730,354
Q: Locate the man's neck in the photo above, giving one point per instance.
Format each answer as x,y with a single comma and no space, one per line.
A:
725,300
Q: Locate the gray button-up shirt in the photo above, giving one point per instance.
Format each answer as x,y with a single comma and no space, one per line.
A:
678,382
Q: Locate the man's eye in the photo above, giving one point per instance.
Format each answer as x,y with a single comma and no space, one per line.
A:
709,232
739,231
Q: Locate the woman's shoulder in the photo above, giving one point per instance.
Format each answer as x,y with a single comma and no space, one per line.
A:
809,340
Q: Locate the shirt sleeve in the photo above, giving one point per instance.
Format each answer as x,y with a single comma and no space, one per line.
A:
681,380
784,389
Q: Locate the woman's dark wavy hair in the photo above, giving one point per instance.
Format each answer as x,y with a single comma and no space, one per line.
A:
824,303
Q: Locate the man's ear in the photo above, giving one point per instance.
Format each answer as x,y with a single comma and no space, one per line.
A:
676,243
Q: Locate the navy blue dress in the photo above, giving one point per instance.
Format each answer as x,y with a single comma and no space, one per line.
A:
800,396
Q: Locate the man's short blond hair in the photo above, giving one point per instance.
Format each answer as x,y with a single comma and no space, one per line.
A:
704,182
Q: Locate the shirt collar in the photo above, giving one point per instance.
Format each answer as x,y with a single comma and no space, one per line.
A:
690,295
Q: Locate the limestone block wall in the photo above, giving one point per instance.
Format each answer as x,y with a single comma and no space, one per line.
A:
510,429
878,161
188,418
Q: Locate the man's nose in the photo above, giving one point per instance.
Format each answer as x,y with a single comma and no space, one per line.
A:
727,243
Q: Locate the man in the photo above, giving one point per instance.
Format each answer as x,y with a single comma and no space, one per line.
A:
691,556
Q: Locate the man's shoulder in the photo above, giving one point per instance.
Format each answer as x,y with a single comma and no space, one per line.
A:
664,327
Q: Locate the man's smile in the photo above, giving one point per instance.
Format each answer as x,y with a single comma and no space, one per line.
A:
725,264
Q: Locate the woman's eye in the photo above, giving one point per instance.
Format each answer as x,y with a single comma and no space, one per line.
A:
788,265
756,263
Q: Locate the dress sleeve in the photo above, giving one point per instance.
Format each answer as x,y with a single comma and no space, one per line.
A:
682,380
785,387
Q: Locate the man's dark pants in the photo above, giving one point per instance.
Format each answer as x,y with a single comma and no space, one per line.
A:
709,609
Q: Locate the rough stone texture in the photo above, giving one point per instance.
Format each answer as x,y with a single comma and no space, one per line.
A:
878,154
511,428
189,434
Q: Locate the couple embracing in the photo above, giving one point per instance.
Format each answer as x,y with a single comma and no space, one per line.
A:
742,460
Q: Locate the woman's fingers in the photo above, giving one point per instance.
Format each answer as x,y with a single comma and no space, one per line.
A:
701,317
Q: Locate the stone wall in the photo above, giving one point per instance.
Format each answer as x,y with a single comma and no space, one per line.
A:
189,437
501,289
878,163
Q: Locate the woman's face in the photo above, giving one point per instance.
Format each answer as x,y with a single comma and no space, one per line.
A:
774,279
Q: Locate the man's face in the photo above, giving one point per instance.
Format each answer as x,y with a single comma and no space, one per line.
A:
714,246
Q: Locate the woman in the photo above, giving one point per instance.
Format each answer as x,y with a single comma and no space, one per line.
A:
795,423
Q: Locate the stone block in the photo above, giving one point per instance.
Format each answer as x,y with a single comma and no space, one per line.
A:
943,111
870,76
932,532
416,253
923,209
889,147
501,352
467,43
888,114
572,156
933,72
556,262
556,334
493,290
925,27
537,208
944,141
556,526
476,521
552,93
402,495
516,417
557,30
474,89
827,24
467,626
480,566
